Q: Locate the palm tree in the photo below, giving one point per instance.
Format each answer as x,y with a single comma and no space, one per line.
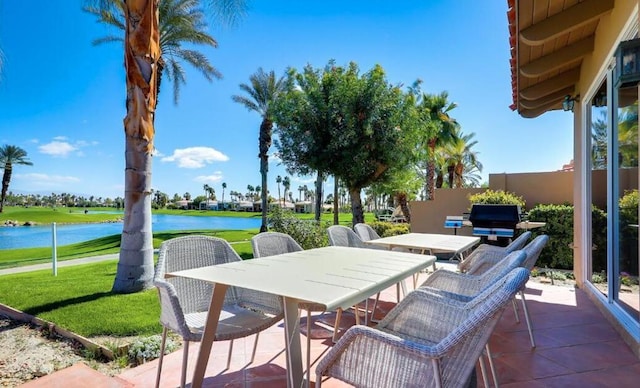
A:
181,22
10,155
440,130
206,189
286,182
278,181
224,186
142,61
462,157
262,93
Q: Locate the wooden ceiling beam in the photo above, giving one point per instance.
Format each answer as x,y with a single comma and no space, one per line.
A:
546,100
531,113
565,21
557,59
551,85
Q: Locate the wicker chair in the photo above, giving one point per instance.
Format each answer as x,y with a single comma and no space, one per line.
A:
488,265
425,341
365,232
515,245
342,236
185,302
275,243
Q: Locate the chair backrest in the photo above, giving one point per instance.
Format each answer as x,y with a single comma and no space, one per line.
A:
518,243
344,237
461,333
503,267
273,243
533,250
365,232
190,252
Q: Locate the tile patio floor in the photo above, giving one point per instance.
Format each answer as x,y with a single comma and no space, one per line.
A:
576,347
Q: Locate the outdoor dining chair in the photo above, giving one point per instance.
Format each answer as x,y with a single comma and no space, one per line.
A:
275,243
343,236
489,264
515,245
427,340
185,302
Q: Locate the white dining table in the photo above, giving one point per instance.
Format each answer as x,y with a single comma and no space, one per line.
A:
429,243
336,277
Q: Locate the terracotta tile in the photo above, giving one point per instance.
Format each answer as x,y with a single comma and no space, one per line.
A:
576,347
592,356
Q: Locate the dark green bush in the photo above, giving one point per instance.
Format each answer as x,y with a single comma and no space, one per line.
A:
308,233
386,229
559,253
498,197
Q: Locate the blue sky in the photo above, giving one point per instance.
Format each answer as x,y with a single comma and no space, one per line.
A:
63,100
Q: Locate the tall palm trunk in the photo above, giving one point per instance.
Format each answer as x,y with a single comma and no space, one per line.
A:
6,179
459,170
265,143
450,174
141,54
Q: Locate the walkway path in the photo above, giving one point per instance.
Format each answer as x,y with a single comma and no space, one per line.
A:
65,263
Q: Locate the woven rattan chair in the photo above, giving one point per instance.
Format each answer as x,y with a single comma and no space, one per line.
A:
275,243
492,263
342,236
365,232
515,245
427,340
185,302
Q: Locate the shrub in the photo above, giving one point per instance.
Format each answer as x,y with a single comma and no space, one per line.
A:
308,233
386,229
559,227
598,277
148,348
498,197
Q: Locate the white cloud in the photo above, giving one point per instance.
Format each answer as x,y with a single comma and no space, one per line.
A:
216,177
57,148
195,157
275,158
60,138
45,180
34,141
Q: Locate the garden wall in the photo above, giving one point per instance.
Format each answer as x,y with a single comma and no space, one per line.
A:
554,187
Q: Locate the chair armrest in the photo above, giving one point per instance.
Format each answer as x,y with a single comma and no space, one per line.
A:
171,314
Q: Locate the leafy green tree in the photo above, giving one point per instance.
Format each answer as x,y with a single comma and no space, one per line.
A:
142,61
340,122
262,92
10,155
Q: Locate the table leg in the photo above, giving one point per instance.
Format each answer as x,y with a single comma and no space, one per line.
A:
295,375
217,300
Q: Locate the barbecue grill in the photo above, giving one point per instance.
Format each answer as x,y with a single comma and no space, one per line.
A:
494,221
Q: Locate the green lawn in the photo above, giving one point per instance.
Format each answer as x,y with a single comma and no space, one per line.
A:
79,298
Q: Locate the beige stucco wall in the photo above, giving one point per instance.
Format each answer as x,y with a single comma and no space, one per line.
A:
554,187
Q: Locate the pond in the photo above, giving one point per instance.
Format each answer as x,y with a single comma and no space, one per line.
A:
40,236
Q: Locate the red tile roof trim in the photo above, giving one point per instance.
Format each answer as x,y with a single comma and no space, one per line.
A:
513,61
